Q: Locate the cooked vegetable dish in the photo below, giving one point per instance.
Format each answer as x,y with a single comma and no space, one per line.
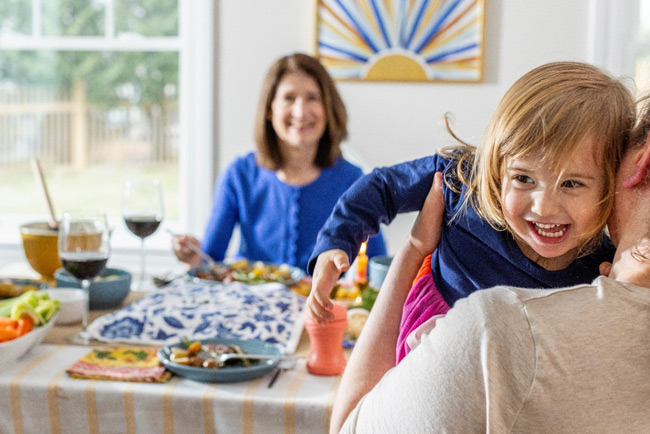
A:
205,356
246,272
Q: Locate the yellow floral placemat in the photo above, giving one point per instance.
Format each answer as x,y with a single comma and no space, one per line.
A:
120,364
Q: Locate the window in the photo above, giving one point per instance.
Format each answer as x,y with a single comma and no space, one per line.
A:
99,91
620,39
642,52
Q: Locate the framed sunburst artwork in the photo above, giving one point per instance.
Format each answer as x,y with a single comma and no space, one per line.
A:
401,40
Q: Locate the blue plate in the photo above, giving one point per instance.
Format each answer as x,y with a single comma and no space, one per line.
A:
296,275
229,374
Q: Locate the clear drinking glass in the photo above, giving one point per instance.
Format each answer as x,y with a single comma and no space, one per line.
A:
84,249
142,209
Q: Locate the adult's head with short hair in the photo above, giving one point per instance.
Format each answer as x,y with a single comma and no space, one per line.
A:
548,112
632,178
329,147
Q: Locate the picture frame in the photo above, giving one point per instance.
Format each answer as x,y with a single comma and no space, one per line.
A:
401,40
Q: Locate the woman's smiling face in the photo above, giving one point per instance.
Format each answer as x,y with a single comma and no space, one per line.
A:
552,214
297,111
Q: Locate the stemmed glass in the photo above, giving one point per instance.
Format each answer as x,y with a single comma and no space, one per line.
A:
142,209
84,249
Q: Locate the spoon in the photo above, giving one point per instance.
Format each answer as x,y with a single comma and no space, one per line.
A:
166,279
221,359
38,174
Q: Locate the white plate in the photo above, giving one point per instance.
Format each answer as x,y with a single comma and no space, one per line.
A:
14,349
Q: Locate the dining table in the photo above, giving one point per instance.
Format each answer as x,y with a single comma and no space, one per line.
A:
41,397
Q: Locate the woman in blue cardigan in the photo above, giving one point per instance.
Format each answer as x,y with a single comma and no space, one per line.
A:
281,195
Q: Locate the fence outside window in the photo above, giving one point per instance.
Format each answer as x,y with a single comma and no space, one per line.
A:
62,128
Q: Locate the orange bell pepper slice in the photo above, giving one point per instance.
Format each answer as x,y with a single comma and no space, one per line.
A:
25,325
8,329
12,329
6,321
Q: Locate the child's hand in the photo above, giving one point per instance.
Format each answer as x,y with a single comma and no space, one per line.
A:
329,267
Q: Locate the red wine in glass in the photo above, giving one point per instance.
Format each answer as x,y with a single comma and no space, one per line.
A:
84,265
142,210
84,249
142,226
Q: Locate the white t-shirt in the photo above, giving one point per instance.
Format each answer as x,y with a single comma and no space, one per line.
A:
508,360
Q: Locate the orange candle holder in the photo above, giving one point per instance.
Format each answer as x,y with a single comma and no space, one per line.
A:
362,265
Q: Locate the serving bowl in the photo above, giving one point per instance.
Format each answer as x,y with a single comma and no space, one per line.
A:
12,350
72,304
106,291
40,247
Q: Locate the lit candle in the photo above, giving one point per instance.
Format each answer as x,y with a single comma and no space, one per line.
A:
362,264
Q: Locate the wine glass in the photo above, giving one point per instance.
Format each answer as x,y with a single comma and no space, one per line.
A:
142,209
84,248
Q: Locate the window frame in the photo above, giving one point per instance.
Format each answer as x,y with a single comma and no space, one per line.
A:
612,36
195,45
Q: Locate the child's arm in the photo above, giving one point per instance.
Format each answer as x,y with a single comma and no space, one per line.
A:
374,199
374,352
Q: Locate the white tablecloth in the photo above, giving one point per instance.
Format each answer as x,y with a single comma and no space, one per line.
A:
39,397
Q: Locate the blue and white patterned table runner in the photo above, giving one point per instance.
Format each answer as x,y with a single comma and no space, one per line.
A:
270,313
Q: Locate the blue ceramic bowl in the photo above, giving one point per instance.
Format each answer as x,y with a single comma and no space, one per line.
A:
107,291
378,269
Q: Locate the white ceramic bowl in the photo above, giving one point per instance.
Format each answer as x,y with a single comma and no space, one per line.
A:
72,304
14,349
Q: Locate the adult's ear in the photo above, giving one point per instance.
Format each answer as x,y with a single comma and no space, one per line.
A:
640,168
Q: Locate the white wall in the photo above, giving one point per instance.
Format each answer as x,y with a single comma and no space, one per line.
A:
388,122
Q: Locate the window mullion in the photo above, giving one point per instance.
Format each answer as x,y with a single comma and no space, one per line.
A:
37,27
90,43
109,22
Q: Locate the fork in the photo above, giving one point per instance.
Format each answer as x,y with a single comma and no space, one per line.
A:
283,366
207,258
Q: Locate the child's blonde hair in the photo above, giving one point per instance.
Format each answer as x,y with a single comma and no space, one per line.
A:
549,111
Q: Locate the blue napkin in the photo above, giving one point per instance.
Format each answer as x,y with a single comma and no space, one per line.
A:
271,313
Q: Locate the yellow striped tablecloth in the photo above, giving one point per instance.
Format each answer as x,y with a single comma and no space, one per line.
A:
39,397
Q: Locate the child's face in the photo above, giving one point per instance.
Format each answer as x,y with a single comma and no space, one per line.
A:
297,111
553,214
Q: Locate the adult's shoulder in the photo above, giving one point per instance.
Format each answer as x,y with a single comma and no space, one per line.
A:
344,166
499,311
485,302
244,165
243,162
